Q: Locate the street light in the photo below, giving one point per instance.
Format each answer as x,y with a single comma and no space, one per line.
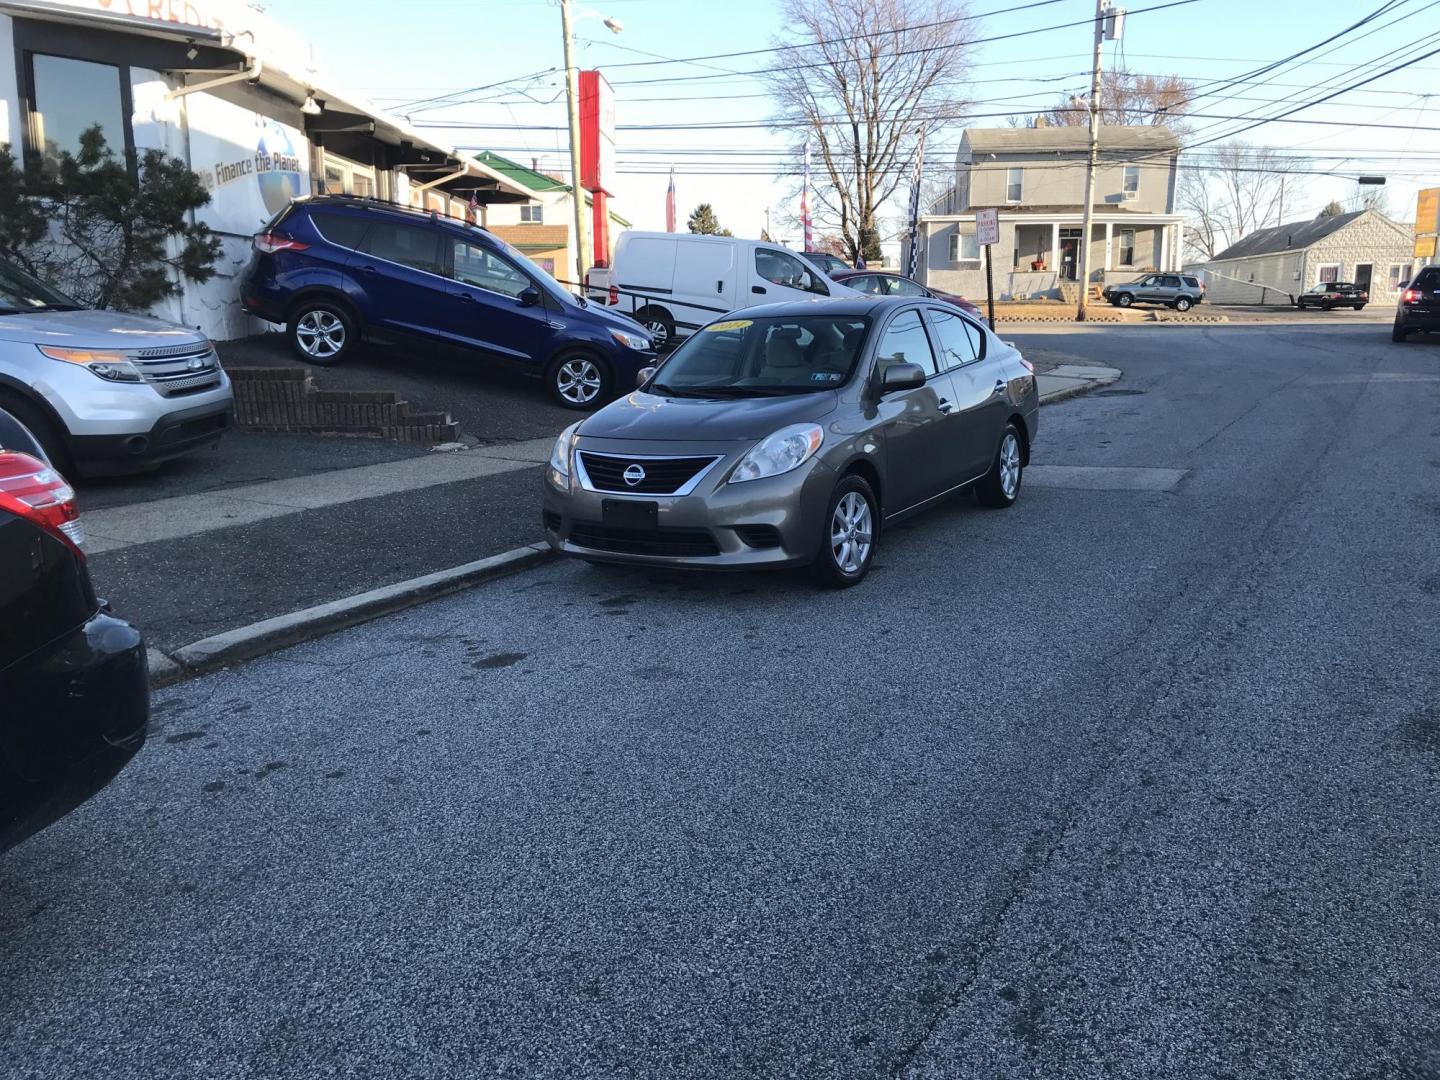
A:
572,97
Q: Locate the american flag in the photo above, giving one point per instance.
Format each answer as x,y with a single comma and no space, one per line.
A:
670,203
915,206
805,203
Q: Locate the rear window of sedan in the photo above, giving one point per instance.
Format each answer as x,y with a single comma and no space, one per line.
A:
761,357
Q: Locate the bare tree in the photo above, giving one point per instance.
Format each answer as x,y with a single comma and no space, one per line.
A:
1126,98
1369,197
864,84
1242,188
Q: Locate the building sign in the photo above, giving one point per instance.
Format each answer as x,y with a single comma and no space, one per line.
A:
1424,247
987,227
597,132
1427,212
252,165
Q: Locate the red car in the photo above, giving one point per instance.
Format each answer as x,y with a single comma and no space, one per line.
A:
882,283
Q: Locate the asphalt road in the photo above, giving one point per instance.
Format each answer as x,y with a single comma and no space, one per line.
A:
1114,783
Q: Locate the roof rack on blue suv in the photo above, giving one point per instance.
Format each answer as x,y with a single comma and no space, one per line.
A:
337,270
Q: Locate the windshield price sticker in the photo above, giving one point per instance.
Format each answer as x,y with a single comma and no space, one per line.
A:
734,324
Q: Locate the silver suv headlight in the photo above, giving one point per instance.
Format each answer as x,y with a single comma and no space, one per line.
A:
106,364
786,449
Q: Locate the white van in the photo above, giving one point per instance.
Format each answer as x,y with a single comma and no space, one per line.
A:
675,283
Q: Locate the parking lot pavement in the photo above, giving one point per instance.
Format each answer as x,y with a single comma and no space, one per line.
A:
491,403
1133,779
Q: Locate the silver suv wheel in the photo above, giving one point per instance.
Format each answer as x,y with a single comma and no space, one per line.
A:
320,334
578,380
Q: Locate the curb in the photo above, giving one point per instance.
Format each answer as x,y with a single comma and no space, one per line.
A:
248,642
268,635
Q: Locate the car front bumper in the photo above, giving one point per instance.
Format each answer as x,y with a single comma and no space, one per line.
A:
772,522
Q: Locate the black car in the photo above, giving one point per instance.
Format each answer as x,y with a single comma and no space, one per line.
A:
1333,294
1418,309
74,689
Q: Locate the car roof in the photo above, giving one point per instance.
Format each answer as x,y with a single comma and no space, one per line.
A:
397,211
828,305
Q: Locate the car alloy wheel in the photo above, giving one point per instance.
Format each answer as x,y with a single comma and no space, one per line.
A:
1010,465
851,533
1183,304
578,381
320,334
1124,299
1000,487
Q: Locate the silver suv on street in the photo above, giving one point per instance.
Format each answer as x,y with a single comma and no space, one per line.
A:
1180,291
106,392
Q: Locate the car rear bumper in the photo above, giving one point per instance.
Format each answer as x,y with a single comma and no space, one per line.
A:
1413,319
74,715
773,522
174,434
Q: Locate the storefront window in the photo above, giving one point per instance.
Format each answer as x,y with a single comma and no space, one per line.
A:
71,96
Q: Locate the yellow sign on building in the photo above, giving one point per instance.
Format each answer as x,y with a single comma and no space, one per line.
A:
1425,247
1427,214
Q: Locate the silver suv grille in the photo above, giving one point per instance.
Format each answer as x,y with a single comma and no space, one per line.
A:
178,369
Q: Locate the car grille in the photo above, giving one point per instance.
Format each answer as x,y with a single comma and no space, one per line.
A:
663,476
178,370
675,542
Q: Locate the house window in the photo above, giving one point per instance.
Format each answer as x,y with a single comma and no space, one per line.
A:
67,97
1399,273
1014,184
1132,181
344,177
1328,272
964,247
534,212
1127,247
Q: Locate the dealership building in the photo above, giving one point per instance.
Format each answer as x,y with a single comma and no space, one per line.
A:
238,98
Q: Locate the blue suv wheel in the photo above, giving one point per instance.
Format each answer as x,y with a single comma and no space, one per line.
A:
322,331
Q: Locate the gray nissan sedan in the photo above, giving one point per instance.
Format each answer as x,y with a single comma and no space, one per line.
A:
790,434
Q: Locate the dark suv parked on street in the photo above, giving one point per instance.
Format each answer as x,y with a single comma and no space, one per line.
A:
1418,309
335,270
1180,291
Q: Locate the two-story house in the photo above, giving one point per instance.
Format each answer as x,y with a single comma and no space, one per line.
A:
1035,177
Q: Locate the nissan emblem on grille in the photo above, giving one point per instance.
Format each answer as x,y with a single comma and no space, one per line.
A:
634,474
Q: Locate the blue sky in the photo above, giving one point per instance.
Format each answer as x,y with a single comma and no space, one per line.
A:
397,53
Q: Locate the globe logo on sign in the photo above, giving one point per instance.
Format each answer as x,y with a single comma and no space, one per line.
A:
277,168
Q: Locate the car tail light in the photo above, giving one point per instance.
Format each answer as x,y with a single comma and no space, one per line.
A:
613,297
1028,365
1412,296
37,493
268,243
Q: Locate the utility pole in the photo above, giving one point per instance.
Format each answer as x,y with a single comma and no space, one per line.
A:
1084,252
577,193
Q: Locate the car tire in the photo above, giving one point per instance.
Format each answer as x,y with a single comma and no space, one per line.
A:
1398,331
46,432
1182,303
1124,300
322,331
1359,307
579,380
1000,487
1327,307
658,324
844,559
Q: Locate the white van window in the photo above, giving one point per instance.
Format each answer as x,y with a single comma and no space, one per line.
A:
779,268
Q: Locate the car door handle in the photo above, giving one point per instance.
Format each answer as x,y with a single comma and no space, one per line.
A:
946,406
1000,386
757,288
720,286
368,269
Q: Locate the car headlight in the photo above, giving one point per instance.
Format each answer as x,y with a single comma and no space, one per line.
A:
108,365
629,340
787,449
560,457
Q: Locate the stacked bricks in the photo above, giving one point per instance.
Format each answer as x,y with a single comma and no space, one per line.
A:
286,399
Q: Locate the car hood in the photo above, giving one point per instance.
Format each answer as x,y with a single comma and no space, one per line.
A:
618,319
95,330
645,416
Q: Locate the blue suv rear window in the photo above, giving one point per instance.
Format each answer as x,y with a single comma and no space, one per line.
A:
343,229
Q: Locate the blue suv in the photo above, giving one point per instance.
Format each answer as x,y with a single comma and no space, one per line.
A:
337,270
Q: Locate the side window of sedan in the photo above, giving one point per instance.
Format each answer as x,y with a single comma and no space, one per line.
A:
906,287
905,342
866,283
953,339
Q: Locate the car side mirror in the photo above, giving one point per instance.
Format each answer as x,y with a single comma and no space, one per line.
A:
529,297
901,377
643,376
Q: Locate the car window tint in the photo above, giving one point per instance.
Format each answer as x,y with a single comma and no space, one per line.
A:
343,229
905,287
954,340
1429,278
404,244
486,270
1194,283
866,283
905,342
1170,282
781,269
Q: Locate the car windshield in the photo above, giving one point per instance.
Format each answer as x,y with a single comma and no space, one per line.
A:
20,293
798,354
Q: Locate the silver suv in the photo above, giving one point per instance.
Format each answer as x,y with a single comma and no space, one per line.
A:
106,392
1180,291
